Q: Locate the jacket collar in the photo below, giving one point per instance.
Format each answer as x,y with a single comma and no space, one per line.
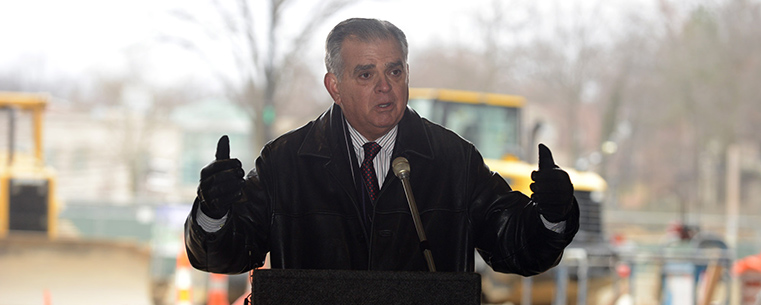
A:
328,138
412,137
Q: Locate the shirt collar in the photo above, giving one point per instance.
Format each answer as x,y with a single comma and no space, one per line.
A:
386,141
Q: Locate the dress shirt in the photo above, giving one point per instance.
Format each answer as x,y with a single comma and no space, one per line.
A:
382,161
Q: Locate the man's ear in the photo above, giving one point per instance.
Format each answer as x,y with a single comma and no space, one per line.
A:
408,73
331,84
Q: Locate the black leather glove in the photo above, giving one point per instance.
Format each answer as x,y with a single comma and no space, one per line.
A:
221,182
553,191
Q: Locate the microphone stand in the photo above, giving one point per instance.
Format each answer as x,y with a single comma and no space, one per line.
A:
401,169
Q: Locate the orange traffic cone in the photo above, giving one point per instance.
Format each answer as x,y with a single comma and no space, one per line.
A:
217,290
183,282
46,297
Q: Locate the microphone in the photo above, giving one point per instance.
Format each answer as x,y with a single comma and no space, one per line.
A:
401,168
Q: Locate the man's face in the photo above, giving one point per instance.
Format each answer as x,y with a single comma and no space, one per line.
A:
373,90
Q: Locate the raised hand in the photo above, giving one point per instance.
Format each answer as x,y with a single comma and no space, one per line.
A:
221,182
553,190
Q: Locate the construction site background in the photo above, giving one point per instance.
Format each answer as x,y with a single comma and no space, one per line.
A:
131,222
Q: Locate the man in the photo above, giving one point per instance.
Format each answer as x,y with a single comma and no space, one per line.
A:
322,197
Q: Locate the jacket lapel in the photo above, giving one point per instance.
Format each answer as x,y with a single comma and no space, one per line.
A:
411,139
326,140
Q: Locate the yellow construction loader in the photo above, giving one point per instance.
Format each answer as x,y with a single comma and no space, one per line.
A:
37,266
493,123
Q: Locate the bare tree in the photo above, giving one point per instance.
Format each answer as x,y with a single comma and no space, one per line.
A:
694,100
623,71
491,65
553,60
34,73
569,62
261,51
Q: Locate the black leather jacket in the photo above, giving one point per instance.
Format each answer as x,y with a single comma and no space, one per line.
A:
300,204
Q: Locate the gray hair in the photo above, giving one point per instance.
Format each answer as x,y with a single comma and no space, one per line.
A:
363,29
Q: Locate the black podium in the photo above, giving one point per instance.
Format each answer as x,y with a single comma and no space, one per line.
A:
364,287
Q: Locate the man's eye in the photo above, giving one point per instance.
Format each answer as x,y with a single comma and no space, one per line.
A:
396,72
365,75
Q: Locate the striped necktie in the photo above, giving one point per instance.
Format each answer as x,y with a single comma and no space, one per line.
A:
369,177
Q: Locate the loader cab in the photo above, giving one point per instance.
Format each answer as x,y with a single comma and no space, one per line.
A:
27,199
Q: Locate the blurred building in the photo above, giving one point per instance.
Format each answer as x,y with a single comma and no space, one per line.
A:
118,155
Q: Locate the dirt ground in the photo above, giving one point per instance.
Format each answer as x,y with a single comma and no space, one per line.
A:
35,270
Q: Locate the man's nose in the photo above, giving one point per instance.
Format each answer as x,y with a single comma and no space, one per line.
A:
383,85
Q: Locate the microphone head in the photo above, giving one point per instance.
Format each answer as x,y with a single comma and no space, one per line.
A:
401,167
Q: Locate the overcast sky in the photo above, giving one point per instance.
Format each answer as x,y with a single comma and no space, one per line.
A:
72,36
